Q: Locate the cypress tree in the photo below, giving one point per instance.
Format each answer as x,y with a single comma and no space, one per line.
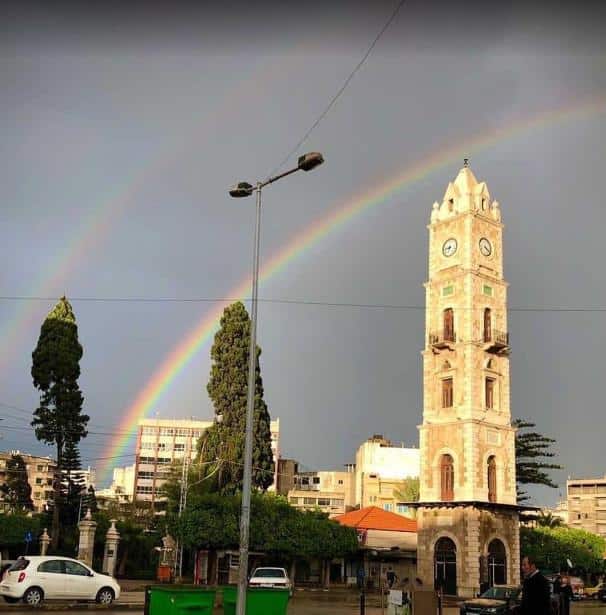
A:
227,388
16,491
58,420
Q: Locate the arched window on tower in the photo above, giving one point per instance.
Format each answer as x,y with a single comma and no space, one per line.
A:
449,332
446,478
487,325
492,479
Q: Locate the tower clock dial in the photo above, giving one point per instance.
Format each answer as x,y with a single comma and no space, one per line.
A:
485,247
449,247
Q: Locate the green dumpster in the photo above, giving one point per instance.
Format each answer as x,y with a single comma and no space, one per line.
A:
179,600
259,601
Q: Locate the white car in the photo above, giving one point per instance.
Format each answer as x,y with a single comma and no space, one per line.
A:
270,577
37,578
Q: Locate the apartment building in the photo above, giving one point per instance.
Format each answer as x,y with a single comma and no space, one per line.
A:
162,442
40,475
381,466
329,491
587,504
122,488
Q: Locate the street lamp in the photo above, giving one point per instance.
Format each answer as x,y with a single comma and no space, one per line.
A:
307,162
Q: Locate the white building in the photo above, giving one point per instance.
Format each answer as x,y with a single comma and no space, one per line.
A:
122,487
162,442
381,466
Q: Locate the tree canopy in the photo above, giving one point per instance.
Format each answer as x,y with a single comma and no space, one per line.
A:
212,522
16,491
551,547
221,446
532,451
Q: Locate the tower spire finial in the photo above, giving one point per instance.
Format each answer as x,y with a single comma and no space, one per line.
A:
465,162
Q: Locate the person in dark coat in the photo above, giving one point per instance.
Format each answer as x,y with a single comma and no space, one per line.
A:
536,596
565,595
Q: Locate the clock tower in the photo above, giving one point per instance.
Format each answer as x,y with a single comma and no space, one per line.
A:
468,527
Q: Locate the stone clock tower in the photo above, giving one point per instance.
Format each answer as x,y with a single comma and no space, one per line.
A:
467,519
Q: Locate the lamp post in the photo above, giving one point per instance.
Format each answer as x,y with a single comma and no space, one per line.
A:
307,162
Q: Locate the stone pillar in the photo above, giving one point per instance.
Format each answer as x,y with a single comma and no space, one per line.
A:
110,555
44,542
87,529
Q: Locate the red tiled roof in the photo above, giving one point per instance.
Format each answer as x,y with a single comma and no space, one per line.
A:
375,518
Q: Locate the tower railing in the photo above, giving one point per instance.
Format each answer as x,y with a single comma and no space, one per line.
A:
442,339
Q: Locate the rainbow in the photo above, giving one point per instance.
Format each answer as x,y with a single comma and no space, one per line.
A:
203,332
95,226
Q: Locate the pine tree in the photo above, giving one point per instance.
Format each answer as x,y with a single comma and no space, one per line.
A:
55,371
227,388
532,449
16,492
73,490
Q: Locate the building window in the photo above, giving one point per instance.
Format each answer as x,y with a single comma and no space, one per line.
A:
340,482
447,393
447,478
316,480
310,501
447,291
489,393
487,325
492,479
323,501
449,332
179,447
401,509
388,507
487,290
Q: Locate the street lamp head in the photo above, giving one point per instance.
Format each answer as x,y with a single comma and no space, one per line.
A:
310,161
241,189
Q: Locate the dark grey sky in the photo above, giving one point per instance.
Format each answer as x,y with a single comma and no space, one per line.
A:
122,130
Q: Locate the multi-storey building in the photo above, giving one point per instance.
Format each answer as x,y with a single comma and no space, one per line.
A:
329,491
468,520
586,499
162,442
40,475
380,467
122,488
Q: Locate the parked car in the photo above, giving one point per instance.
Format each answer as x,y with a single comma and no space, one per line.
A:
602,594
592,592
270,577
33,579
498,600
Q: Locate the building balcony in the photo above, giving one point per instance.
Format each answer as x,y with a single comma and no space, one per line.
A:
442,339
496,341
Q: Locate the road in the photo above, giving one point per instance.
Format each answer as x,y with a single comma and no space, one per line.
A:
312,607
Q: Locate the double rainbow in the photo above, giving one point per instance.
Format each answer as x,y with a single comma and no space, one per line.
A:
196,340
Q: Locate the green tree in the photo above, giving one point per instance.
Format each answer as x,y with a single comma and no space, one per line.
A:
532,449
408,490
548,520
552,547
72,486
16,491
58,420
223,442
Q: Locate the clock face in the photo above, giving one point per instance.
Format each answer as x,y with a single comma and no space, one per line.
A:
485,247
449,247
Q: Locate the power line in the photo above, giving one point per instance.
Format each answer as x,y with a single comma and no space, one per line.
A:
308,302
336,97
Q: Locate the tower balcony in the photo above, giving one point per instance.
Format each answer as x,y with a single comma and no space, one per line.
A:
442,339
496,341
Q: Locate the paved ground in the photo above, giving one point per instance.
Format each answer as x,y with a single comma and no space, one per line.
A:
298,606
